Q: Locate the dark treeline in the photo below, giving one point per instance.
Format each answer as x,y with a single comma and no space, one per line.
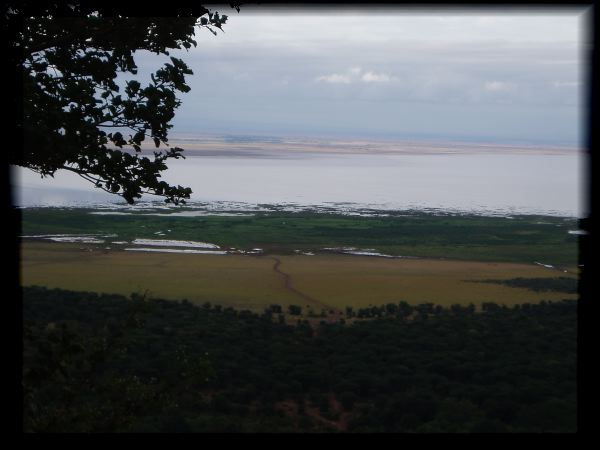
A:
556,284
107,363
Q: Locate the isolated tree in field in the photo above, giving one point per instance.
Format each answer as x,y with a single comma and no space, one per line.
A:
80,113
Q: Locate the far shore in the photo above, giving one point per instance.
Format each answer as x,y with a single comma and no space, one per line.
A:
264,146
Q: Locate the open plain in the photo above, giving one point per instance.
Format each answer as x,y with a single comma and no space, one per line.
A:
254,282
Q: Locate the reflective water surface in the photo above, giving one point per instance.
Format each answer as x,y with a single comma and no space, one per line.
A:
517,183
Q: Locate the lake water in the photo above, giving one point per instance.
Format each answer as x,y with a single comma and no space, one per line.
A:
509,183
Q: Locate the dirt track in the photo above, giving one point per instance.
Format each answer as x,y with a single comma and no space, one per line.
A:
287,282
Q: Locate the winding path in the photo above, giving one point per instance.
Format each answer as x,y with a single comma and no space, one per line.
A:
287,283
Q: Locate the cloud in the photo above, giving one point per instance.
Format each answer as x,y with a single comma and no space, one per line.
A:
496,86
568,84
352,75
372,77
497,68
334,78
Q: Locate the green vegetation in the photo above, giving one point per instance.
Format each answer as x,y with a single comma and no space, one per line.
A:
464,237
559,284
282,342
254,282
107,363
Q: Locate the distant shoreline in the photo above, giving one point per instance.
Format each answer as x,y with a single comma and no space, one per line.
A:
256,146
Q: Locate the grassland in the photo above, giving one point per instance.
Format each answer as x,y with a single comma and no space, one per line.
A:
250,282
520,239
448,253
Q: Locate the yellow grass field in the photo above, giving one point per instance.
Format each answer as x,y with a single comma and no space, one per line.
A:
250,282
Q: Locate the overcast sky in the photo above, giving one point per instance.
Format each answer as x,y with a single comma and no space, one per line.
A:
389,74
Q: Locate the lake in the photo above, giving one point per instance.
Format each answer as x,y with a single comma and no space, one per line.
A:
510,183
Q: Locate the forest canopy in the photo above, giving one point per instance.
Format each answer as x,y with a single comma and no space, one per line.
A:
107,363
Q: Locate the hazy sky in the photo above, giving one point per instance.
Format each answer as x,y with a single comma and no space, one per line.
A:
345,72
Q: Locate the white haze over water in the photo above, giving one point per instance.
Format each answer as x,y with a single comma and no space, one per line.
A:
483,183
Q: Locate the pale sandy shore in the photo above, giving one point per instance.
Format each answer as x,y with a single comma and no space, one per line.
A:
224,146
